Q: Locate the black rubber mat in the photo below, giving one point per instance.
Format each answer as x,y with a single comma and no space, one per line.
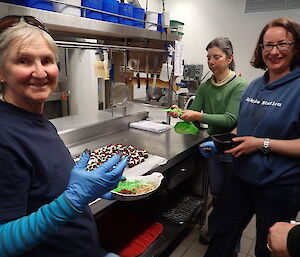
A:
175,207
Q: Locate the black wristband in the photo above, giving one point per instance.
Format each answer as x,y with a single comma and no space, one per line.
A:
293,238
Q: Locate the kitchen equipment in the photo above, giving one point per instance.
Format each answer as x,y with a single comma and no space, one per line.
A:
94,4
138,79
138,13
182,99
132,183
67,9
125,10
154,92
134,65
57,105
166,69
224,141
192,77
189,102
110,6
40,4
119,94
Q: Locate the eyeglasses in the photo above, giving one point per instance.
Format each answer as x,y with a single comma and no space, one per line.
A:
283,46
12,20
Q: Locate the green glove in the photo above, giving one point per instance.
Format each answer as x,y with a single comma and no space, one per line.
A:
174,110
186,127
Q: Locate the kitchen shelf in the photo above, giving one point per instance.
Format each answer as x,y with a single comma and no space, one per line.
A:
155,208
74,26
174,232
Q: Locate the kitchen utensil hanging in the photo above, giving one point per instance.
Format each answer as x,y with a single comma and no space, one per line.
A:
119,94
154,92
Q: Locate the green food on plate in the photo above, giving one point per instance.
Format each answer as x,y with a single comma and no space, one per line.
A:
134,187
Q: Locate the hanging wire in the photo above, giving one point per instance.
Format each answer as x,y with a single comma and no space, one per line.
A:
163,5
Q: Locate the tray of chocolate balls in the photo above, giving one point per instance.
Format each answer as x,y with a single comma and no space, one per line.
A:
101,155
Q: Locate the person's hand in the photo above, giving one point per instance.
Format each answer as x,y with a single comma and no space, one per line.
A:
174,114
207,149
248,145
86,186
277,239
189,115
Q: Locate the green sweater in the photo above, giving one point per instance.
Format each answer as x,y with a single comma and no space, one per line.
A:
220,104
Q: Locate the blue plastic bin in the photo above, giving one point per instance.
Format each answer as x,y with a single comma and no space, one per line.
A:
40,4
138,13
95,4
159,22
20,2
111,6
125,10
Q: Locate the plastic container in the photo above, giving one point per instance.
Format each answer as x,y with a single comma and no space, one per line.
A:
20,2
138,13
178,25
125,10
166,70
111,6
39,4
95,4
151,20
224,141
159,26
64,8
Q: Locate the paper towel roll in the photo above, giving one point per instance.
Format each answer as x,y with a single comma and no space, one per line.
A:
153,18
63,8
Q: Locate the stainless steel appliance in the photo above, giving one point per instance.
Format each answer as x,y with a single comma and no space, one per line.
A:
57,105
191,79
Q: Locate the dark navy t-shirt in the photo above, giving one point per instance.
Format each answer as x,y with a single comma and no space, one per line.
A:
35,168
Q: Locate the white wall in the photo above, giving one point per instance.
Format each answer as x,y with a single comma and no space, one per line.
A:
207,19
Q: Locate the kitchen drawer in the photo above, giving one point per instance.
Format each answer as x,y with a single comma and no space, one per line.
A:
179,173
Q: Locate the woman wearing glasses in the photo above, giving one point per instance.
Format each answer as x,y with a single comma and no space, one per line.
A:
266,181
43,196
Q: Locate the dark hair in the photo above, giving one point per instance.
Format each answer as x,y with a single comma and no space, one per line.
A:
225,45
291,27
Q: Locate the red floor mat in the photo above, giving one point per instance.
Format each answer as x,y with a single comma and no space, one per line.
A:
126,233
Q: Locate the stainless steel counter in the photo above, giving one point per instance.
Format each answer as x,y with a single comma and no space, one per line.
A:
169,144
99,129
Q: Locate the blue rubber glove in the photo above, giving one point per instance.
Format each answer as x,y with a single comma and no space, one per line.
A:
207,149
86,186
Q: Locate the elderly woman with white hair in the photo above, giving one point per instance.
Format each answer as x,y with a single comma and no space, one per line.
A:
43,196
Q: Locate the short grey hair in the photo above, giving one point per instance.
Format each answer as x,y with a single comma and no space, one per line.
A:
22,33
225,45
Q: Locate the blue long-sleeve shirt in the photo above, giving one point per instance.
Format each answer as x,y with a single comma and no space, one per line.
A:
35,169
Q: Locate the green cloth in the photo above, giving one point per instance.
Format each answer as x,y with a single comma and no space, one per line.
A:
220,104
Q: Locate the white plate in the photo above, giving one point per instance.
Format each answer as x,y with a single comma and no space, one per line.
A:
155,177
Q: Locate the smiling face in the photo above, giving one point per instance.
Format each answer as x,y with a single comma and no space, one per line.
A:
278,62
30,74
217,60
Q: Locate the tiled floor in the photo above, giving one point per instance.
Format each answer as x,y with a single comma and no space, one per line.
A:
190,246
